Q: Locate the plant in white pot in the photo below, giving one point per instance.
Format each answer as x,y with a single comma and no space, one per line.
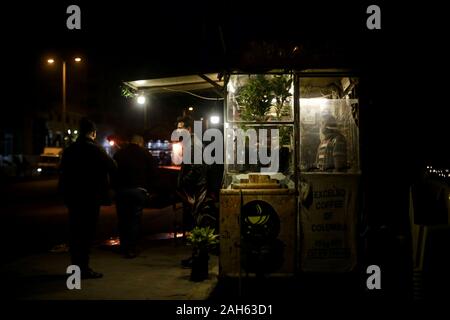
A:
202,240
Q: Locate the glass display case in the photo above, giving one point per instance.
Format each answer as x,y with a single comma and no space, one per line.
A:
259,128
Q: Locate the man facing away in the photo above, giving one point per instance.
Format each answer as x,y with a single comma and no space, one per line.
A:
84,182
136,175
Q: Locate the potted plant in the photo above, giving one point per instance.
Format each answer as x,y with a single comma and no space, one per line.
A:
202,241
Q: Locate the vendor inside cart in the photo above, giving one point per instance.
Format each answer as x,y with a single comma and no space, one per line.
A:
332,150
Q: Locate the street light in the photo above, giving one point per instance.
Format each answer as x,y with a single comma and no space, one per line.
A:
64,81
142,100
214,119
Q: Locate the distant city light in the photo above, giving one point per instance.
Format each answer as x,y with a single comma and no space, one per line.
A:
39,169
214,119
69,132
51,61
191,109
75,132
141,99
439,172
111,143
77,59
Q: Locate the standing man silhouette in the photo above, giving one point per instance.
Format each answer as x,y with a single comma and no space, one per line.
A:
84,182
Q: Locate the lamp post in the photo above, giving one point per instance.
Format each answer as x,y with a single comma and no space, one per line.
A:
64,92
63,100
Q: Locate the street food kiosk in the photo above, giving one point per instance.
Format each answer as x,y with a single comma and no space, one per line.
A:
295,210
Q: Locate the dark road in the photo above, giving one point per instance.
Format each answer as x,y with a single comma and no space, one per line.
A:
35,220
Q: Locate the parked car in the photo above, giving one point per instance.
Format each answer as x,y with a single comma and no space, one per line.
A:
49,160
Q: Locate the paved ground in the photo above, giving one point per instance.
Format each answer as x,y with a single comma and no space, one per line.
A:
34,221
155,275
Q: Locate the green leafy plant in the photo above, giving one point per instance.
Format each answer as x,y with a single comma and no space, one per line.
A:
127,92
203,238
281,86
255,99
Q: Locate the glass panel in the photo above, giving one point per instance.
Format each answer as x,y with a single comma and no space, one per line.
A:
328,124
259,149
260,98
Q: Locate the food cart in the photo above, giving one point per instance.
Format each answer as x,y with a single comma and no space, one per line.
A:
301,214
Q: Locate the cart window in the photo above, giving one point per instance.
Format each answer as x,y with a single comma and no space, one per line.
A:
329,124
259,128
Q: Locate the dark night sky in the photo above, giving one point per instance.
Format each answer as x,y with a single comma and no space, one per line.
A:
131,40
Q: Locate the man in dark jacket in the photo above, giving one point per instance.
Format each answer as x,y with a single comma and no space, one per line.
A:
135,177
85,170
